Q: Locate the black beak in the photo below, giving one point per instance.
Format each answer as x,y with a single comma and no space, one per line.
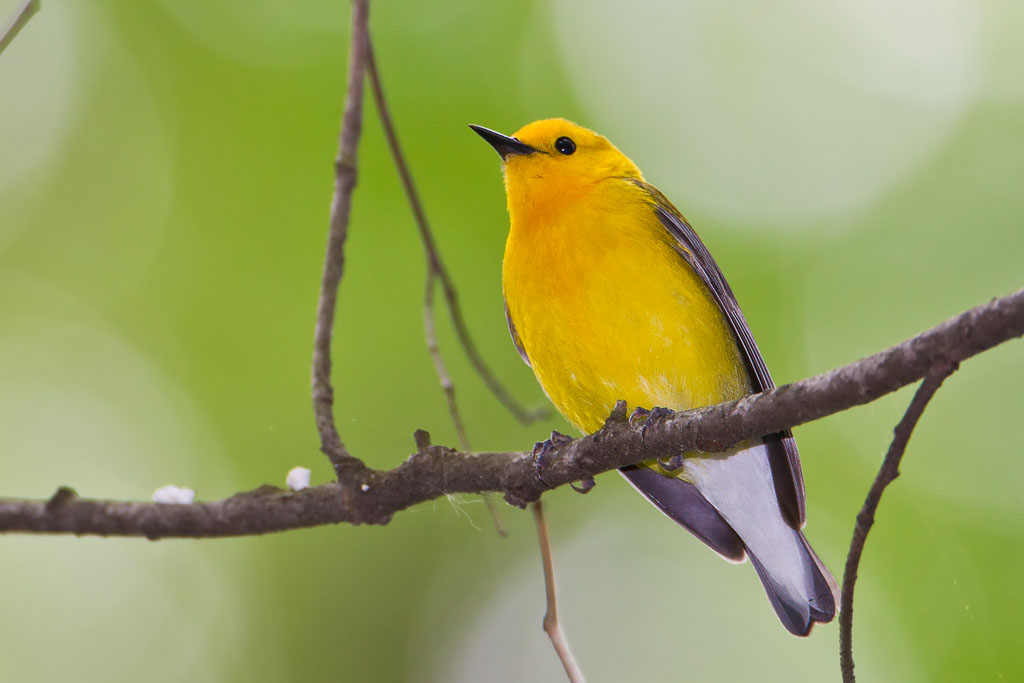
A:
503,144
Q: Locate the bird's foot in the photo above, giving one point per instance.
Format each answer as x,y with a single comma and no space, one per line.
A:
639,416
646,419
584,486
672,464
543,449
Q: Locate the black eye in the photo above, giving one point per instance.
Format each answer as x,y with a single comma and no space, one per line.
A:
565,145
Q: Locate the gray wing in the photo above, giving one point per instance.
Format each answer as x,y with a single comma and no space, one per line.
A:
782,452
681,502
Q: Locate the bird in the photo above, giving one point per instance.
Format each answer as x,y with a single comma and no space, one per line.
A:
610,295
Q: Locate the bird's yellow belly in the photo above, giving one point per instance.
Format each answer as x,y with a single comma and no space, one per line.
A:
623,319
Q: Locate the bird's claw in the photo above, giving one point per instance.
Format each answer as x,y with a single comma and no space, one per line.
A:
672,464
542,449
584,486
638,416
646,419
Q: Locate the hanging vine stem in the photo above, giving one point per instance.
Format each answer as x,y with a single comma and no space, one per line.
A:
887,473
436,272
436,264
551,624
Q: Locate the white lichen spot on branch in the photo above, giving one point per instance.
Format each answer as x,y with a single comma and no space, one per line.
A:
174,494
298,478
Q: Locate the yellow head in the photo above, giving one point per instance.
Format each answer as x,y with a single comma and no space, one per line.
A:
554,162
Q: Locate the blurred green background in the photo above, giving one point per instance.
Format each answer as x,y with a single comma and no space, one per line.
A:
165,175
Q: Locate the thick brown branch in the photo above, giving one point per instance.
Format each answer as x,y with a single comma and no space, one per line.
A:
373,496
888,472
21,17
334,259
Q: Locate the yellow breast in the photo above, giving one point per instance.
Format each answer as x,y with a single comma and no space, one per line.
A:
607,309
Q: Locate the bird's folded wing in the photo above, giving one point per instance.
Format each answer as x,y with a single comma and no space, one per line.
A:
783,455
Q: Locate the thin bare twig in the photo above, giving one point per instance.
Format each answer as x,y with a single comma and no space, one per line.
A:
435,263
889,470
434,471
334,258
551,625
448,387
436,272
21,17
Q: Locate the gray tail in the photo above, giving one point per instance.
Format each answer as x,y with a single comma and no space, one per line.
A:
729,502
800,610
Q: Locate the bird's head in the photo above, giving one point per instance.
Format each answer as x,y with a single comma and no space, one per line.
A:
554,160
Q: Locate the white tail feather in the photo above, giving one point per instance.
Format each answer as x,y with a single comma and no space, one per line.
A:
740,487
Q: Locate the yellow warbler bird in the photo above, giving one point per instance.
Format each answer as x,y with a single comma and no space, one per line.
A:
611,295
